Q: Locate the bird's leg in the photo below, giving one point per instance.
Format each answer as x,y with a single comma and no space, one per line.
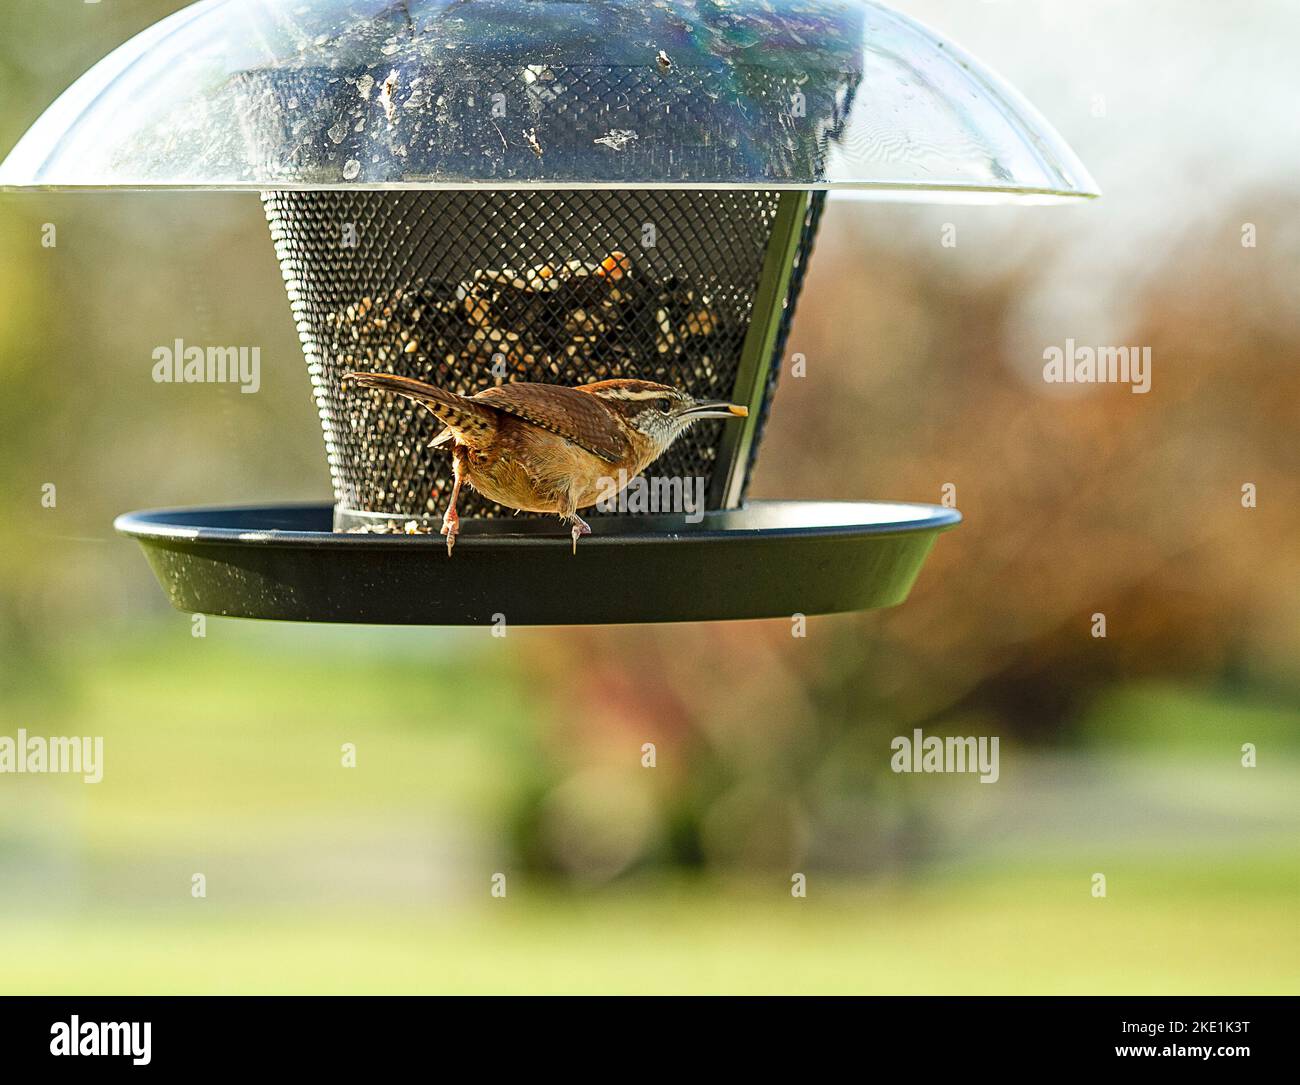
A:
450,520
568,510
580,528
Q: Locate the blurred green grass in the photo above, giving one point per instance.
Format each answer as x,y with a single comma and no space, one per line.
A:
1157,933
222,756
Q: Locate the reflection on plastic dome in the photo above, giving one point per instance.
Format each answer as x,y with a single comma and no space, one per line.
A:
260,93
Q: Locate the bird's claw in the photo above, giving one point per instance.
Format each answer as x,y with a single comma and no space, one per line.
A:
579,529
450,528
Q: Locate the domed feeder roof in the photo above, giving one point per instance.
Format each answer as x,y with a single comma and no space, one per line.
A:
280,94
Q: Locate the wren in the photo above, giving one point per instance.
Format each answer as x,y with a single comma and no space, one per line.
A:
550,448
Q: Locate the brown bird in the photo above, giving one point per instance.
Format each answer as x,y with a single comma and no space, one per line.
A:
548,448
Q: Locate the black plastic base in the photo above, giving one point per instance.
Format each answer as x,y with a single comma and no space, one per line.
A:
770,559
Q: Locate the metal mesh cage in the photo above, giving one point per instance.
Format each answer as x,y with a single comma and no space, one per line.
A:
467,289
595,122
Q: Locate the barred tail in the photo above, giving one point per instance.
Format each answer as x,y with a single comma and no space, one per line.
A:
473,423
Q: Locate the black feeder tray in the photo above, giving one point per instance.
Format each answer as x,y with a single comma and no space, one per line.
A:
536,190
769,559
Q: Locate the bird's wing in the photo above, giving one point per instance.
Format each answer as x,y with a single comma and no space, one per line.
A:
573,415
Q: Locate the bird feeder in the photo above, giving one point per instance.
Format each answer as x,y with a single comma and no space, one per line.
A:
472,192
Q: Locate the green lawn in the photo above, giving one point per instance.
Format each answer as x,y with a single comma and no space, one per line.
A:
1011,933
222,756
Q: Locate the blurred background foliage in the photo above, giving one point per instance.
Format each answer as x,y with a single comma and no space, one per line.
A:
523,754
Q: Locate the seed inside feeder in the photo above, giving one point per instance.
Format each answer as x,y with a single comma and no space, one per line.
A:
556,316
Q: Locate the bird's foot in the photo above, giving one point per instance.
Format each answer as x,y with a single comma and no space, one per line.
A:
450,528
580,528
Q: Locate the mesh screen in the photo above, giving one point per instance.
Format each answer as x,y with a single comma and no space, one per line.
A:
467,289
452,114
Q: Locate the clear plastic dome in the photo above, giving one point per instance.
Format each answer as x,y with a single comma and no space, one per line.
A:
283,94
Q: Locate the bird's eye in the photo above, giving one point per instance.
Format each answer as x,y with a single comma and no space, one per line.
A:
666,405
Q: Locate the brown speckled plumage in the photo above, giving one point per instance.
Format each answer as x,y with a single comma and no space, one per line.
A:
550,448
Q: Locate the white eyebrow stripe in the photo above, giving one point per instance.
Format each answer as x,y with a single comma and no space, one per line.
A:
622,393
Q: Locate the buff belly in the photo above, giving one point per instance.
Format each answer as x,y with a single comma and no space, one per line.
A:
562,479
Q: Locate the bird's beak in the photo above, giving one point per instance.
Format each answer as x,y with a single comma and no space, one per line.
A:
714,410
